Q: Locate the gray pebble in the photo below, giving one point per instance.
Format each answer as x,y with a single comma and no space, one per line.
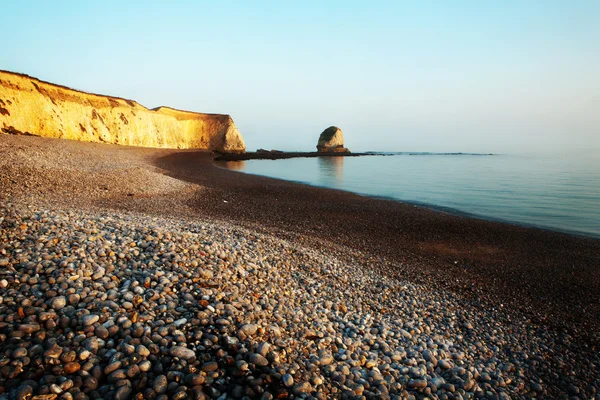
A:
182,352
57,303
88,320
258,360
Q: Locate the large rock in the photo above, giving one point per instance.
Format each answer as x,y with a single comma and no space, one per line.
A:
30,106
332,140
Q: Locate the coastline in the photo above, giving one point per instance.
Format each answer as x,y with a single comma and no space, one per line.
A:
476,252
548,267
547,281
430,206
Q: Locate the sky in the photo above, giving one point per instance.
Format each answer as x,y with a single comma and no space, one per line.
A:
506,76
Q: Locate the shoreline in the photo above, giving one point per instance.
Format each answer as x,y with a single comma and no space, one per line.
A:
548,268
432,207
533,286
400,231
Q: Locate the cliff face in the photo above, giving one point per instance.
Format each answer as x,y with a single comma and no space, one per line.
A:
31,106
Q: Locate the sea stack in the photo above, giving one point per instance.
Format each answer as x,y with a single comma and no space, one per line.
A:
332,141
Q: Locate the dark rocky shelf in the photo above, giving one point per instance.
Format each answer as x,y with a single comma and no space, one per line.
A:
277,155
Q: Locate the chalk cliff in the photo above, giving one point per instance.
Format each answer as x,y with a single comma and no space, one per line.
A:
31,106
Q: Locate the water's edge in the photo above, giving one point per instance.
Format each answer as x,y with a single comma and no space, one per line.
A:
432,207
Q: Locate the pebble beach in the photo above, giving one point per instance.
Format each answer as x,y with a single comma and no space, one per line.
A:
116,283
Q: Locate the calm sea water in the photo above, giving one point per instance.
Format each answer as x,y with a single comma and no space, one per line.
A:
558,193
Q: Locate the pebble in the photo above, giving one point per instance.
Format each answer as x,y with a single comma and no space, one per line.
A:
137,307
123,393
288,380
29,328
98,273
182,352
101,332
194,379
417,383
258,360
210,366
302,388
142,350
58,303
90,319
72,367
249,329
145,366
263,349
325,360
205,274
24,392
159,385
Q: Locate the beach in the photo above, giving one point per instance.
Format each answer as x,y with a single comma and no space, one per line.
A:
182,279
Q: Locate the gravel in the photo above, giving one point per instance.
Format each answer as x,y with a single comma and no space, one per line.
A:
208,310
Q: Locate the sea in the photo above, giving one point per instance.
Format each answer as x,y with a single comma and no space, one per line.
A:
557,192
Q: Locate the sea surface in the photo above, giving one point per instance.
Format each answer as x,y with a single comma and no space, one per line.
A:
560,193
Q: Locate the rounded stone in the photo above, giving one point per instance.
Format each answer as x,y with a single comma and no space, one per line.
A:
258,360
23,392
159,385
182,352
72,367
302,388
58,303
88,320
288,380
210,366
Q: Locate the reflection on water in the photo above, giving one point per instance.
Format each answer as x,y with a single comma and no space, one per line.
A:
331,169
234,165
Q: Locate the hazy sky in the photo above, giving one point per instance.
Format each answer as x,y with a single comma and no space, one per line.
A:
487,76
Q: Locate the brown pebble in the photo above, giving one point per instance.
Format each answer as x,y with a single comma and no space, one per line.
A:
72,367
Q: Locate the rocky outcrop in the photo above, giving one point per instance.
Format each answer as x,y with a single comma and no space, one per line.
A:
30,106
332,140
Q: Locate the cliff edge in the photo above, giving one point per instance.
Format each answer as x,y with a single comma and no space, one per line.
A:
34,107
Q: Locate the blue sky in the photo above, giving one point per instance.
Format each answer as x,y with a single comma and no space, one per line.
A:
505,76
